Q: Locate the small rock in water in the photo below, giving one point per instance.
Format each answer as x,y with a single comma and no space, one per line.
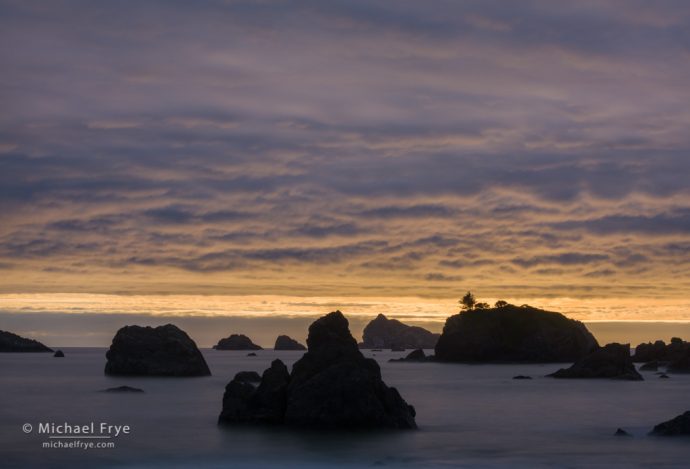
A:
522,377
123,389
252,354
621,432
663,376
59,354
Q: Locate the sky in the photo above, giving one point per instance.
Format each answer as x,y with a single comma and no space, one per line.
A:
344,153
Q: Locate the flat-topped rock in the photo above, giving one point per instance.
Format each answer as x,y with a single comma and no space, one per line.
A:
333,386
391,333
512,334
284,342
236,342
611,361
12,343
160,351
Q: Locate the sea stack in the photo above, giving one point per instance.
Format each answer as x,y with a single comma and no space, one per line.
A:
678,426
333,386
160,351
12,343
611,361
236,342
513,334
284,342
391,333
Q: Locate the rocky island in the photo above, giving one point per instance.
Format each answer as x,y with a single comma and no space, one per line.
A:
513,334
333,386
390,333
611,361
160,351
284,342
236,342
12,343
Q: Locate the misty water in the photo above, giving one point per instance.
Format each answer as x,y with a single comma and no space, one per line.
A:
472,415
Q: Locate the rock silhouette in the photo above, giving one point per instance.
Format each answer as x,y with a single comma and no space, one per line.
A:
161,351
675,427
621,432
391,333
522,377
675,355
650,366
513,334
124,389
414,356
333,386
611,361
284,342
236,342
59,354
248,377
12,343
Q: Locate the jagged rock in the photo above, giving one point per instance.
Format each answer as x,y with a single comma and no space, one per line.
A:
236,342
659,351
243,403
391,333
621,432
332,386
677,426
650,366
59,354
611,361
124,389
10,342
522,377
248,377
284,342
414,356
161,351
513,334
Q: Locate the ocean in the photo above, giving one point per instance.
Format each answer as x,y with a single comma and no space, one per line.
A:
468,415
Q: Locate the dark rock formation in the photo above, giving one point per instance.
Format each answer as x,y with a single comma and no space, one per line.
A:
513,334
650,366
522,377
59,354
161,351
621,432
124,389
13,343
248,377
680,364
284,342
659,351
414,356
611,361
236,342
332,386
677,426
391,333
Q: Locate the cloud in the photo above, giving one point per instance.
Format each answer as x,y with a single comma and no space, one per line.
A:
565,259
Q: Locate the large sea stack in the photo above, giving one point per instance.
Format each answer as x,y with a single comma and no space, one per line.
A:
16,344
160,351
513,334
333,386
284,342
611,361
391,333
236,342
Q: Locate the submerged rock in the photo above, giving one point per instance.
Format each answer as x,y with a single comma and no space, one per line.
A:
621,432
12,343
236,342
513,334
391,333
663,376
611,361
284,342
160,351
251,354
414,356
59,354
522,377
676,426
124,389
332,386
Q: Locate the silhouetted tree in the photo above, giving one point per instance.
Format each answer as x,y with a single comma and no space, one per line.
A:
481,306
468,301
501,304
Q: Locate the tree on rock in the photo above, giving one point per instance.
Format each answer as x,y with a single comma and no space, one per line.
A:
501,304
468,301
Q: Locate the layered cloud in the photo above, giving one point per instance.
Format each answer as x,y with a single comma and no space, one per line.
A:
346,148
